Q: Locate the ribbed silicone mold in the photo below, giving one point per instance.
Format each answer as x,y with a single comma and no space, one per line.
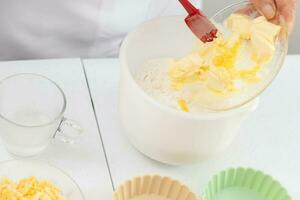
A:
244,184
154,186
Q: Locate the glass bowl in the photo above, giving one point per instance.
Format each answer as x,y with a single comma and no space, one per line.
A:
269,71
170,38
19,169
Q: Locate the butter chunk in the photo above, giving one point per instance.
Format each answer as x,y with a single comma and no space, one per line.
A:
28,189
265,29
189,69
241,24
219,81
262,49
183,105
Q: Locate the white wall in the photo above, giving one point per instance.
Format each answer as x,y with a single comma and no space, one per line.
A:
211,6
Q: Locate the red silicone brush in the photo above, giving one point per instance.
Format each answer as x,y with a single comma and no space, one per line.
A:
199,23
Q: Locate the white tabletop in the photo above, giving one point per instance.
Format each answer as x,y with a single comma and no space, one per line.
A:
269,140
84,161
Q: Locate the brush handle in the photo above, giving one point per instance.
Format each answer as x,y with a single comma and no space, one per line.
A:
189,7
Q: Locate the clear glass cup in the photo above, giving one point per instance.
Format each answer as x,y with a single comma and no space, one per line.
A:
31,114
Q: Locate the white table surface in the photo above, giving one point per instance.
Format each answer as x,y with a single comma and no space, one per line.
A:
84,161
269,140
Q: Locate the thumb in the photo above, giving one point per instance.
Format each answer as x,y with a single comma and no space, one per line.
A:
265,7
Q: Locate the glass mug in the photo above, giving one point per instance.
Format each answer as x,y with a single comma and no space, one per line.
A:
31,114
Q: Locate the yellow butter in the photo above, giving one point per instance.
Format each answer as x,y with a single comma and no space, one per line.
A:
241,24
183,105
213,64
262,49
259,31
187,70
28,189
265,29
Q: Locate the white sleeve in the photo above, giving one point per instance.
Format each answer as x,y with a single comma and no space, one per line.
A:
168,7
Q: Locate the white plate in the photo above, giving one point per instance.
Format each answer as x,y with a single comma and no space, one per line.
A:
18,169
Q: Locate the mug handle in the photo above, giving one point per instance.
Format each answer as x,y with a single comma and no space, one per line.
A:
68,131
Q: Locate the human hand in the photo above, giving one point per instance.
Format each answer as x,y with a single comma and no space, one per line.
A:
275,9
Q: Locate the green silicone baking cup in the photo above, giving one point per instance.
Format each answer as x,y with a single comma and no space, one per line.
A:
244,184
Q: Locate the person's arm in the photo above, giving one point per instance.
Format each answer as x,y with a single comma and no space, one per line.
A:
277,8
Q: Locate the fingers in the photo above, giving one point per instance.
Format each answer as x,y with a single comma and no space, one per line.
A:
248,10
287,9
265,7
273,9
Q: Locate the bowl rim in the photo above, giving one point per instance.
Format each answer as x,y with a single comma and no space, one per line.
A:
249,105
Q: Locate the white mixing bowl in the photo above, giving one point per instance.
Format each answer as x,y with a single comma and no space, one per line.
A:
158,131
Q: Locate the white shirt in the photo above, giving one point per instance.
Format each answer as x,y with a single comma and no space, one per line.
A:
33,29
